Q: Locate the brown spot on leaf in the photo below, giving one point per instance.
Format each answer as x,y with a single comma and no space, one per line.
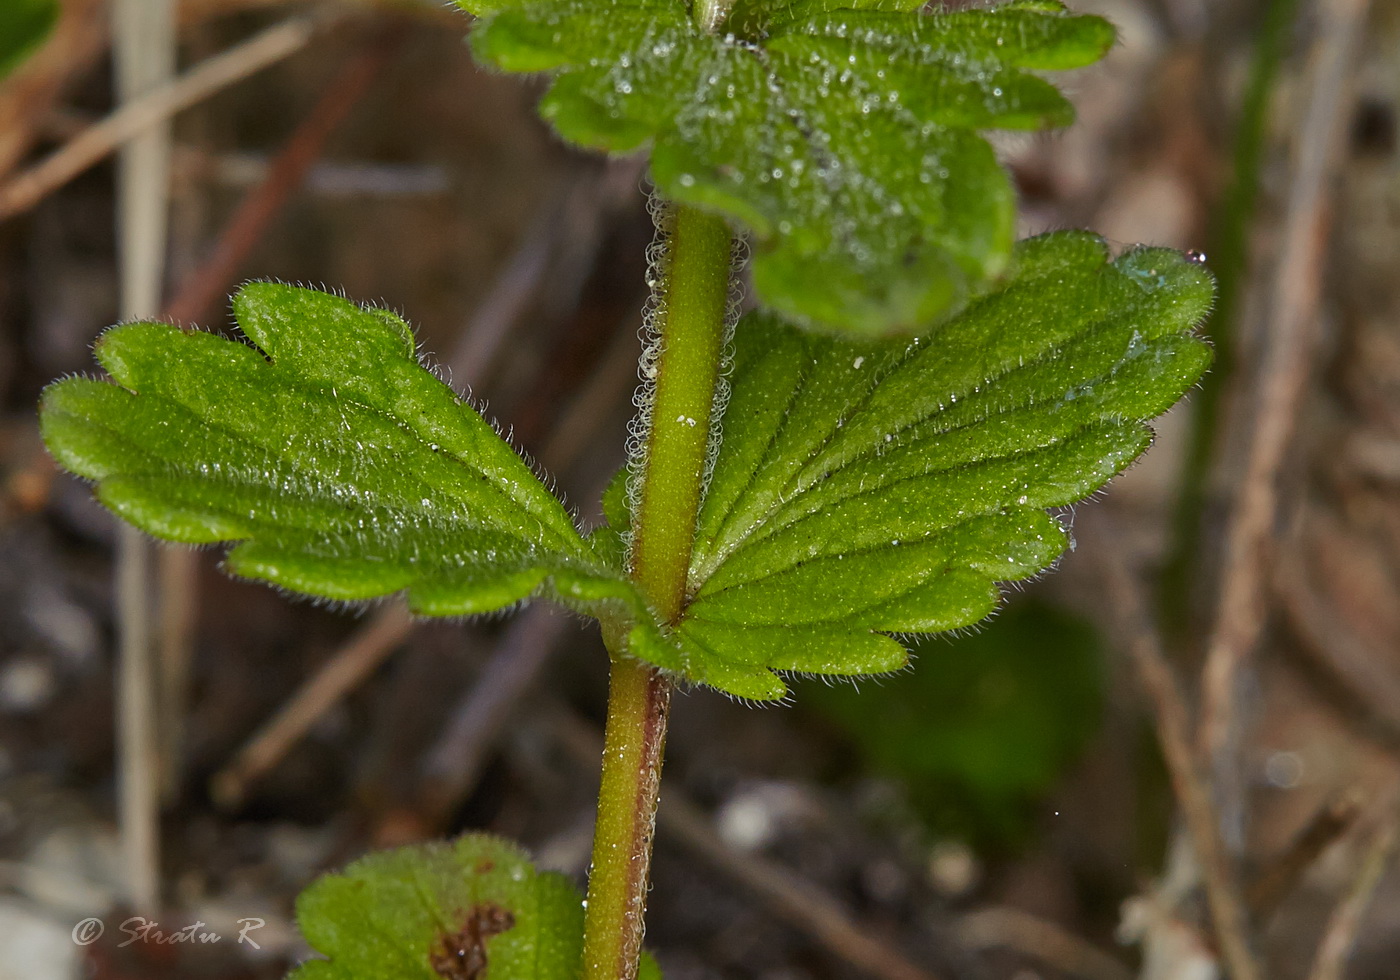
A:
485,865
462,955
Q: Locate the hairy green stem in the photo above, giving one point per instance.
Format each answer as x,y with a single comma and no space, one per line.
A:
638,700
695,295
692,331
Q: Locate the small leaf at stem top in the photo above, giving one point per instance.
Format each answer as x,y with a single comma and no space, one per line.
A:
843,139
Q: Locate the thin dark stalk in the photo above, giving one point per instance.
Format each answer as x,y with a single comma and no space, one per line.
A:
201,291
1286,366
1229,260
1142,642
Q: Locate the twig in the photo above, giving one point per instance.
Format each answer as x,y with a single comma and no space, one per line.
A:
346,669
456,759
800,903
144,48
1352,660
1287,362
154,107
1033,936
1345,923
560,242
331,179
1277,883
261,206
29,93
1173,724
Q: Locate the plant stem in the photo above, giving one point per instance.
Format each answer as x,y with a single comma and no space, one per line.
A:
638,700
696,293
692,328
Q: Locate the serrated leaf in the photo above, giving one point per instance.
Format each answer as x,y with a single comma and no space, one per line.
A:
859,490
24,24
474,909
842,139
343,467
867,490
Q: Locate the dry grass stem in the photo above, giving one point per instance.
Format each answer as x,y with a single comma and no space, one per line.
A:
1039,939
153,108
1173,723
144,46
1283,873
1288,358
1345,923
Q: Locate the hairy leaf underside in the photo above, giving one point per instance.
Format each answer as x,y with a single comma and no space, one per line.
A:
841,133
860,490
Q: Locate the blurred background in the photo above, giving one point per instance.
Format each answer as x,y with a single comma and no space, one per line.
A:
1175,759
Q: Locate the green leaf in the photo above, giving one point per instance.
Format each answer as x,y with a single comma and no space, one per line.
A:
859,490
867,490
842,139
344,467
24,24
474,909
984,725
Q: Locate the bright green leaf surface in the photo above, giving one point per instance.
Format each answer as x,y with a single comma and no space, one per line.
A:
23,26
343,467
861,491
843,139
474,909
